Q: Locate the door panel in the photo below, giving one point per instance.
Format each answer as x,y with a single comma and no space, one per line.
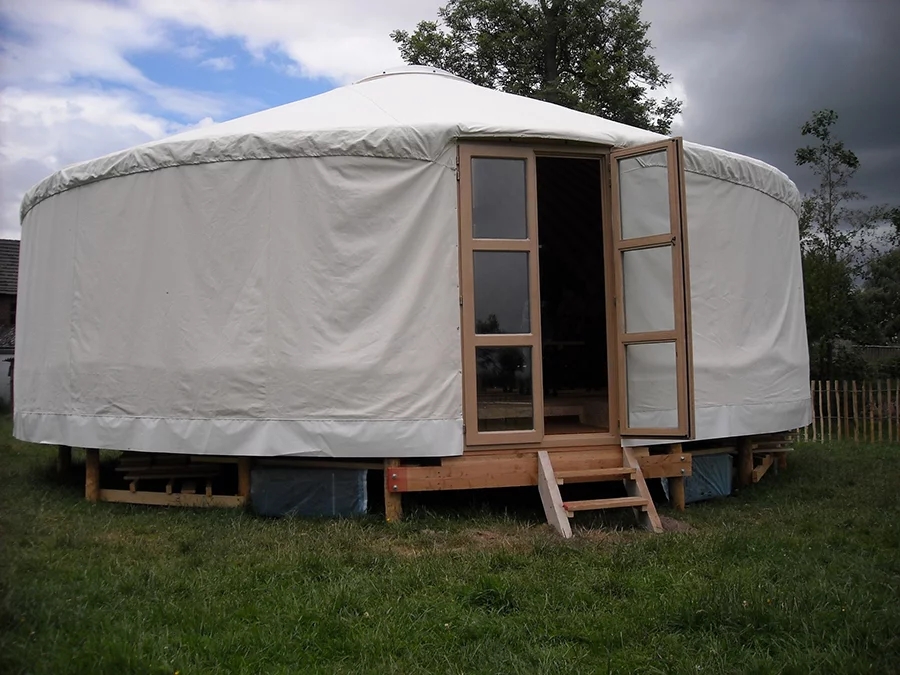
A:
652,291
500,295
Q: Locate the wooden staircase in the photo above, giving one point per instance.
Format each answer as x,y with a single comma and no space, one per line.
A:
558,512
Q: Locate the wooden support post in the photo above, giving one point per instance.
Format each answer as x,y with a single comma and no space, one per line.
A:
855,414
92,475
837,408
244,469
676,485
890,412
393,500
897,410
63,461
760,471
815,410
871,409
880,413
828,406
821,435
846,413
782,460
745,461
812,405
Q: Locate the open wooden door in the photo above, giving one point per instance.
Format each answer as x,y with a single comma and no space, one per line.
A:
652,291
500,295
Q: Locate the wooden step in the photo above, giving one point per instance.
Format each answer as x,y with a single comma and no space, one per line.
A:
559,512
595,475
597,504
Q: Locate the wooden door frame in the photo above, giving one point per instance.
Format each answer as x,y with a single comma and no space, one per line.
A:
680,335
468,245
602,154
535,149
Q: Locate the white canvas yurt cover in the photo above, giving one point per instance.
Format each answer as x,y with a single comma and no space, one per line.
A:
287,283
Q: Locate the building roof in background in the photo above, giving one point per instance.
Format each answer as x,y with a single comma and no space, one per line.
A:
9,266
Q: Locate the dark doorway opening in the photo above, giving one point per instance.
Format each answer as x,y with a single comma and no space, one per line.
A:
573,295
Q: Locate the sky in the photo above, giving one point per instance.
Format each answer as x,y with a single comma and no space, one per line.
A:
83,78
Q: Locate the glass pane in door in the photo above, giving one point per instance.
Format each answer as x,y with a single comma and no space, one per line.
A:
501,292
644,195
504,388
648,289
499,205
651,373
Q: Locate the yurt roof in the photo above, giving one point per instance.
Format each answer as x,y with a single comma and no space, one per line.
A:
412,112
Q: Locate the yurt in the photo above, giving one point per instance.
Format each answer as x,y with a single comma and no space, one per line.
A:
467,287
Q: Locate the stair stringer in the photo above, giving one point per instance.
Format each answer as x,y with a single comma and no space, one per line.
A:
637,487
551,498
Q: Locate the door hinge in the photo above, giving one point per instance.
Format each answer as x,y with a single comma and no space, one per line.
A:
460,300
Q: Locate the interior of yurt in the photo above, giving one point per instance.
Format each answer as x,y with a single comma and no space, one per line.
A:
419,279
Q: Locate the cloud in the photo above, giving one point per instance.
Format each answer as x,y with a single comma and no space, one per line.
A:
72,91
47,130
219,63
753,72
749,73
190,52
342,40
68,39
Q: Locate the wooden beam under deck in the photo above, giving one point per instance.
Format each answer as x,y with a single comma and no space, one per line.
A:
760,471
174,499
519,468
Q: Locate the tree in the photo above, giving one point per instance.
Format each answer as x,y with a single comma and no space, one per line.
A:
590,55
826,226
881,296
827,239
838,240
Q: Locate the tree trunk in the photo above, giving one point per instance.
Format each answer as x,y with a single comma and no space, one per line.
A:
552,21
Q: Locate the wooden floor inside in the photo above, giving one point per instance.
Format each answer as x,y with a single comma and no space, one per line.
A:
566,413
570,425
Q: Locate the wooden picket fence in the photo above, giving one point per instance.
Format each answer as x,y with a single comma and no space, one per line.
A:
854,411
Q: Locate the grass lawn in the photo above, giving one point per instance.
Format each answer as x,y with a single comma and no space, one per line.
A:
798,574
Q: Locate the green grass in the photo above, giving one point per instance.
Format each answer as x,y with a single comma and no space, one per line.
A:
798,574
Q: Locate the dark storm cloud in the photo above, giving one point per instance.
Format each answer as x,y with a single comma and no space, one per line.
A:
752,71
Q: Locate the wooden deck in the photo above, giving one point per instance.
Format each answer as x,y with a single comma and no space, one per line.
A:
180,480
